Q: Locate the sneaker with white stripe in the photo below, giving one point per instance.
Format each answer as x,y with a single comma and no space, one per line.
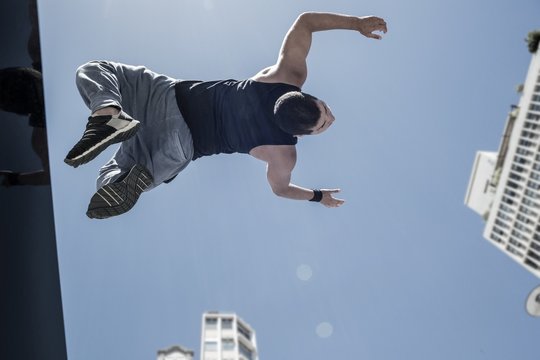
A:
101,131
119,197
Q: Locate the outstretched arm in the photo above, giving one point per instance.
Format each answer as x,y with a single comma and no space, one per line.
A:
291,67
281,160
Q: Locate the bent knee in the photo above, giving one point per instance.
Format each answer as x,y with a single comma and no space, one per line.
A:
93,65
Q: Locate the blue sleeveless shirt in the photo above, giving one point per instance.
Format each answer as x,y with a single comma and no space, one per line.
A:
231,116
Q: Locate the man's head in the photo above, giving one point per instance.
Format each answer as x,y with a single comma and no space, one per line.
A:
299,113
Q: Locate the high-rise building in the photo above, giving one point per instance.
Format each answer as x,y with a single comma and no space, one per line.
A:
225,336
175,353
504,187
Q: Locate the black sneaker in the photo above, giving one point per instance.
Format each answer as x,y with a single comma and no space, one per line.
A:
101,131
119,197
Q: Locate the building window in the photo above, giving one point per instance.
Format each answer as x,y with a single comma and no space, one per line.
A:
530,125
530,203
526,143
496,239
508,200
504,216
211,323
536,98
517,244
531,264
524,219
532,194
226,323
521,160
512,250
501,224
523,228
533,255
526,211
524,152
529,135
519,235
534,107
513,185
245,351
531,116
533,185
510,192
507,209
227,344
242,330
210,346
535,176
519,169
498,231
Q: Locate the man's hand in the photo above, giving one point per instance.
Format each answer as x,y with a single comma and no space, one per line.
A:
368,24
328,200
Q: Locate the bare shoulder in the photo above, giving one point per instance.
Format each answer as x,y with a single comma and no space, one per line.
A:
279,155
271,74
265,73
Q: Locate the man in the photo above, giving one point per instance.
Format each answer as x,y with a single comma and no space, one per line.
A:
180,121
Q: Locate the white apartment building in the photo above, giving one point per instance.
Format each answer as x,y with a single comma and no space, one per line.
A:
225,336
504,187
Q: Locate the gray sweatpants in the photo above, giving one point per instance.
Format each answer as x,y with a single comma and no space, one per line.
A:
163,143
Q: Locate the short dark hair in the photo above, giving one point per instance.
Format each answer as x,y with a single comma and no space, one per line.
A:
297,113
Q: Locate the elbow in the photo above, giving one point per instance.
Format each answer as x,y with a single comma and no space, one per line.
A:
280,191
305,19
306,15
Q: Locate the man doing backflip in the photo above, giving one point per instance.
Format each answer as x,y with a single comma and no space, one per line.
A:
164,123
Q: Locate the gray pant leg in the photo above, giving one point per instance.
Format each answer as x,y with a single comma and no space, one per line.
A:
98,85
163,143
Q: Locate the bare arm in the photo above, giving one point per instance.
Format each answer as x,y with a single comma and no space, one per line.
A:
281,160
291,65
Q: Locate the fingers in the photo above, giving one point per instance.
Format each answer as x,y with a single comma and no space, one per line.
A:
372,24
329,201
374,36
381,25
334,203
331,190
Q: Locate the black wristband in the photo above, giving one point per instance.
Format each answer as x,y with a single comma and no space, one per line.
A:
317,195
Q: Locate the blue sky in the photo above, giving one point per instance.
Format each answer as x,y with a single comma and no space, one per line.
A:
400,271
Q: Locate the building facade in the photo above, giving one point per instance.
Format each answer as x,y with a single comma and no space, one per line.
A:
225,336
504,187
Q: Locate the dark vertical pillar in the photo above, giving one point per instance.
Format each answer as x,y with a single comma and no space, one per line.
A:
31,320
